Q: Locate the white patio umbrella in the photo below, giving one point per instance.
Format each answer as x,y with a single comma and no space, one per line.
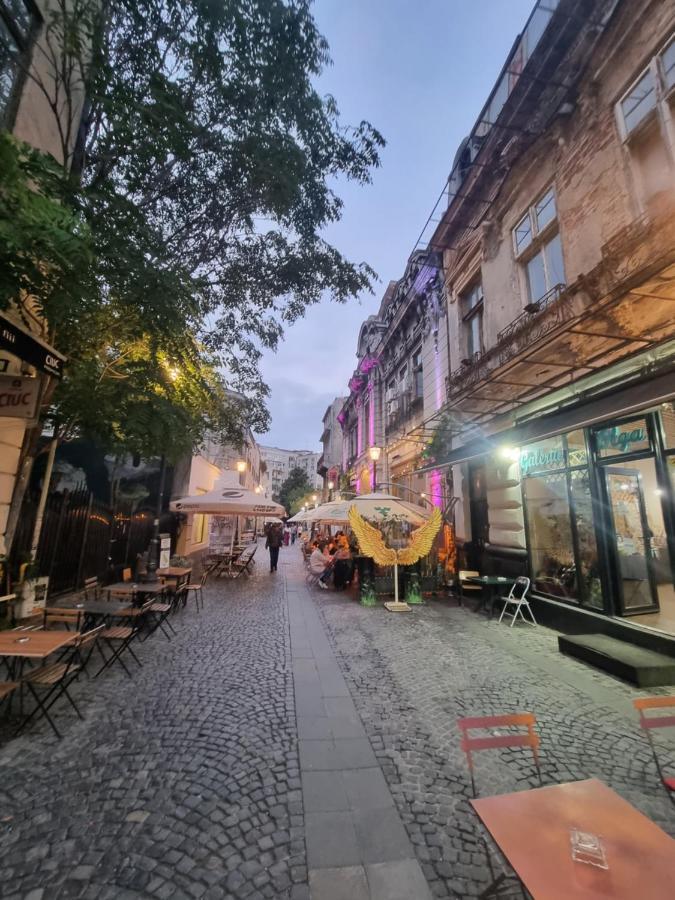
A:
228,498
374,507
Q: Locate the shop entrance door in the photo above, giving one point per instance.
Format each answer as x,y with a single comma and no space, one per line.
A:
632,540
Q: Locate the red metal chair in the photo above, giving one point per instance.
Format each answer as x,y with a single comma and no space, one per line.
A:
471,745
649,723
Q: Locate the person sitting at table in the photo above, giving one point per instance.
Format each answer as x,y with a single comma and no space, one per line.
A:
320,564
342,570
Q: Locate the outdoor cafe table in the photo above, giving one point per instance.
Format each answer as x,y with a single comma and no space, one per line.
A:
532,830
133,589
491,584
93,610
180,573
19,646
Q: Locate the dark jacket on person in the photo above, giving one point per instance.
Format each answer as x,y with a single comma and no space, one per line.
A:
275,537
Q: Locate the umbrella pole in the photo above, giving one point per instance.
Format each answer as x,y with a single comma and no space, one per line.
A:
396,606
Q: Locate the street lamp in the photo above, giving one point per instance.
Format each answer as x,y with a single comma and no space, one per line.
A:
331,485
375,455
314,499
241,468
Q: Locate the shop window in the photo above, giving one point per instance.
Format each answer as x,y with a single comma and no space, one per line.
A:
668,422
619,440
559,519
549,535
471,309
198,529
17,20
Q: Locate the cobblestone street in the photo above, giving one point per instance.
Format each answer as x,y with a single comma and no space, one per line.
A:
243,759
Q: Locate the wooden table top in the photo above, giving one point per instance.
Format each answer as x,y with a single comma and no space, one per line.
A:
34,644
174,571
135,587
532,829
96,607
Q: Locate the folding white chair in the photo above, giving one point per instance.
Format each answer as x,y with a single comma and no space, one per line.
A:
518,597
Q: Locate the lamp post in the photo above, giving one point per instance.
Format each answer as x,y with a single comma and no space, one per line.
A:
314,499
331,485
375,455
241,468
153,555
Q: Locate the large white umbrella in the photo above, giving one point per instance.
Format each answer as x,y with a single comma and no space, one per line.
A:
228,501
374,507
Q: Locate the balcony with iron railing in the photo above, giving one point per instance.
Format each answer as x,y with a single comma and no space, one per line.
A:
537,320
408,408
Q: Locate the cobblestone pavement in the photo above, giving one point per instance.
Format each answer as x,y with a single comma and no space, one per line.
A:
181,783
412,675
185,782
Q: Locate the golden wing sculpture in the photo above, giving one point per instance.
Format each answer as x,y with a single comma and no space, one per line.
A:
422,540
371,542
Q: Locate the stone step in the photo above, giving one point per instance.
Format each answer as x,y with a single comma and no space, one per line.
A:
645,668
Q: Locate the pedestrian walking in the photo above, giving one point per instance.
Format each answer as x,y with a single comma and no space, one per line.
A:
275,536
294,534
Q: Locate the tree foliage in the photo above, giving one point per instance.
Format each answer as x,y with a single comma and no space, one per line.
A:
193,205
294,489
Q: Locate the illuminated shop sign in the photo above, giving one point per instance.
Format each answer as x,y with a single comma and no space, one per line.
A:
630,438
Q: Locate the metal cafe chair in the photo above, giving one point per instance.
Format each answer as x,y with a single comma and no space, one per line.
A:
197,588
524,737
120,637
55,678
518,597
514,739
649,723
465,585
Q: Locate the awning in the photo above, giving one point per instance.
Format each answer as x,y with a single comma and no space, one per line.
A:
29,348
617,402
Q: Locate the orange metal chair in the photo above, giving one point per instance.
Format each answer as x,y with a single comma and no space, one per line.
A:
528,739
649,723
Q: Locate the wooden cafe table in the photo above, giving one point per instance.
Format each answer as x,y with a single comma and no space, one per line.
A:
18,646
179,573
532,830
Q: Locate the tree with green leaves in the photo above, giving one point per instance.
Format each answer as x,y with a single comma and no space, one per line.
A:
201,181
295,487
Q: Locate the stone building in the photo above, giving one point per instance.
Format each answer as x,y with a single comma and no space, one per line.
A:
30,84
329,465
558,244
279,464
398,387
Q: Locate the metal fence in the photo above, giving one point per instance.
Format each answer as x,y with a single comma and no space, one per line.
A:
81,537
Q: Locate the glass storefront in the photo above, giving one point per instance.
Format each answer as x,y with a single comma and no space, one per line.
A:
559,519
598,511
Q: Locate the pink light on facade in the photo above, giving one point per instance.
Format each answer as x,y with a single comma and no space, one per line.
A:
371,417
368,363
436,482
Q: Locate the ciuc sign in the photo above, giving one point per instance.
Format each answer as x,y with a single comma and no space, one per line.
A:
19,396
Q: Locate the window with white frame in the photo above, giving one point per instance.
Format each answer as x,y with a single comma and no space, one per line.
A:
536,243
471,310
18,18
646,119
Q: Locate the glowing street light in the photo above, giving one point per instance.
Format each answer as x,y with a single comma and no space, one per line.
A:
375,455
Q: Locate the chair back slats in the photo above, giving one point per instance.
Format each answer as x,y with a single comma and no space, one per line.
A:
657,722
517,740
463,574
88,637
653,702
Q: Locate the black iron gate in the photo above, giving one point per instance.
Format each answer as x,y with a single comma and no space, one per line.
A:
81,537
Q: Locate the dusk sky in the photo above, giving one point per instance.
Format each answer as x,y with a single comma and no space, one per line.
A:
419,72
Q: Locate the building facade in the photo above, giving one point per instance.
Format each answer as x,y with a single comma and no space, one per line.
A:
558,246
329,465
279,463
33,87
397,390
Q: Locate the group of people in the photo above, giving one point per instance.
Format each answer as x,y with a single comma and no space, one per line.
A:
332,557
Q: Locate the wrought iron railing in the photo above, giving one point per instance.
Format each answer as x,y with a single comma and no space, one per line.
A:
535,322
